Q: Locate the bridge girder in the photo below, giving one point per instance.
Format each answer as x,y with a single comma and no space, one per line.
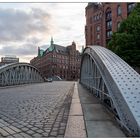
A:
19,73
115,83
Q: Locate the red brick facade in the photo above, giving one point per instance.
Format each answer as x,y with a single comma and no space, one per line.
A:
59,61
102,19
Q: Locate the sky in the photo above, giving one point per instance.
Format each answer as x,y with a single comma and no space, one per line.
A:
25,26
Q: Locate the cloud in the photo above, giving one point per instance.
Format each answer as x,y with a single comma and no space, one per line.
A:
34,40
18,25
22,50
25,26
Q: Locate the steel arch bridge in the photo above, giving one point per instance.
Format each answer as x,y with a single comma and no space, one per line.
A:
115,83
19,73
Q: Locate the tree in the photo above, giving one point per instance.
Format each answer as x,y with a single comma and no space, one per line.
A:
126,41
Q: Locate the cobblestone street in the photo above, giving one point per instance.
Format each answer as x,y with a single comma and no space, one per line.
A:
35,110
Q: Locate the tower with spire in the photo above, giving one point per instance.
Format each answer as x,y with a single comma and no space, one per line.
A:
52,42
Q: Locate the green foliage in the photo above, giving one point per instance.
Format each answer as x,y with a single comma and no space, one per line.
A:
126,42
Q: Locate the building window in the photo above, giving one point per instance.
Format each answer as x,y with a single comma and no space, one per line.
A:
119,11
109,24
97,17
118,25
108,14
130,7
109,34
98,36
94,18
100,15
98,28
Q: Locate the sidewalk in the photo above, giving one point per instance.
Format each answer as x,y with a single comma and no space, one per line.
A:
75,125
89,118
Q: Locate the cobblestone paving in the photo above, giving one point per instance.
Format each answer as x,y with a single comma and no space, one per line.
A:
37,110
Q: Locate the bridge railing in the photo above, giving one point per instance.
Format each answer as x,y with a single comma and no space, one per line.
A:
19,73
112,80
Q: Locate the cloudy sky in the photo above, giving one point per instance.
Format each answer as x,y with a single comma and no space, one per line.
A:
25,26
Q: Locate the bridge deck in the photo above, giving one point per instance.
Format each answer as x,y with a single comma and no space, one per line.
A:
41,110
99,121
35,110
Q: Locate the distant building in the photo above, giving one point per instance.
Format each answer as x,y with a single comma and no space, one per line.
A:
104,18
9,59
58,61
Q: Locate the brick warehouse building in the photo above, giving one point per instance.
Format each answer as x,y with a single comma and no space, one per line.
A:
102,19
59,61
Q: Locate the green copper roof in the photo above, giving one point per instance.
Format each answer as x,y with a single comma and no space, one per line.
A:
51,48
40,52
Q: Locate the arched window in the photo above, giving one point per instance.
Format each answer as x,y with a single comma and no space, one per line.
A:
119,11
108,14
